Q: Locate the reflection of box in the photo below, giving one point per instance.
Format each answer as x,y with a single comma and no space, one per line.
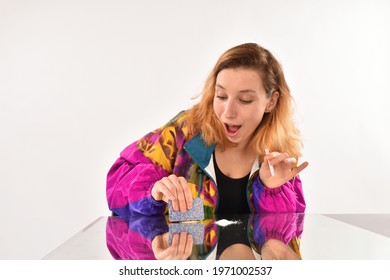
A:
196,213
195,229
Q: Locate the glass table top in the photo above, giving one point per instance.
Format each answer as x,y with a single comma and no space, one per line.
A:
271,236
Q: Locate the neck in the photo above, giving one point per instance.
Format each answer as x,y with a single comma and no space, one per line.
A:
235,162
239,150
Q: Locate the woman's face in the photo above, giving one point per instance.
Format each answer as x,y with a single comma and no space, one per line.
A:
240,102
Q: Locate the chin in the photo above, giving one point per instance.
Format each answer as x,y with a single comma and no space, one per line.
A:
234,141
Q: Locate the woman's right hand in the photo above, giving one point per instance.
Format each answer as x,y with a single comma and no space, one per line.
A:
173,188
180,249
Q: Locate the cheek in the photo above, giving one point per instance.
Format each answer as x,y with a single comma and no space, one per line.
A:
217,108
257,120
255,116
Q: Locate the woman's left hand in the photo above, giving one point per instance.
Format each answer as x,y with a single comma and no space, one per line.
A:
283,166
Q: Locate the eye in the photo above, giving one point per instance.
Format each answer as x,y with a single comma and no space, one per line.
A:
221,97
243,101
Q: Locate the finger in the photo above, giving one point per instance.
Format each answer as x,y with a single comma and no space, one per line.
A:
156,243
271,155
182,244
179,192
173,191
175,244
188,247
159,252
279,158
187,192
161,191
163,254
297,170
291,161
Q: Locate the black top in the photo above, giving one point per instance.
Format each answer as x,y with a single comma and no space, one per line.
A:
232,193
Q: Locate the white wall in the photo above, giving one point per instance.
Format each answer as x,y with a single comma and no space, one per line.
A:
79,80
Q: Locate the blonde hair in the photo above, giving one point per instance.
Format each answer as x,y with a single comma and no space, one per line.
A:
276,131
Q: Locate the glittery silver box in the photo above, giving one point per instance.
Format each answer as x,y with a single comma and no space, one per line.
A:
196,213
196,229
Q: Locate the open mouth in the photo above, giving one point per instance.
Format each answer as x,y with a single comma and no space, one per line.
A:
232,130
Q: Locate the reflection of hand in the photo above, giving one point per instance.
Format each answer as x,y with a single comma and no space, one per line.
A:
180,249
283,165
274,249
173,188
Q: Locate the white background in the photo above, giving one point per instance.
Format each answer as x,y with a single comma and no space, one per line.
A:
80,80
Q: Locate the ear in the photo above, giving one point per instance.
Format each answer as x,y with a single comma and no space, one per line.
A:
272,102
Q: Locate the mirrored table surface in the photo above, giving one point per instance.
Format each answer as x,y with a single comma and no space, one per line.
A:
271,236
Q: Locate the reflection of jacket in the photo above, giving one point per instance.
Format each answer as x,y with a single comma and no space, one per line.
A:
285,227
131,238
171,150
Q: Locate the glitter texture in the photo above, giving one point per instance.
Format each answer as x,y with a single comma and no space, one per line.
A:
195,229
196,213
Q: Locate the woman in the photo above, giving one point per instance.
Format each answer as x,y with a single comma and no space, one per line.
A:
216,149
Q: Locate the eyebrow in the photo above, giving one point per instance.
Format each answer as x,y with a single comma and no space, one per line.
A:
241,91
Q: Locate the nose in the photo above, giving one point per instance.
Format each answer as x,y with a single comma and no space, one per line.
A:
230,109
